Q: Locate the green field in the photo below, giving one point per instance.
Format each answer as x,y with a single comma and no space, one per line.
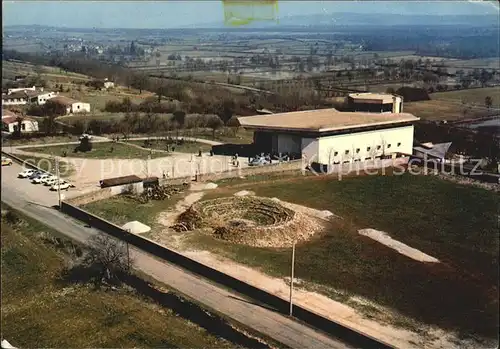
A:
186,147
39,310
107,150
456,224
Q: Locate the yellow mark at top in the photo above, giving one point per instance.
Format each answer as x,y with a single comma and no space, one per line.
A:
241,12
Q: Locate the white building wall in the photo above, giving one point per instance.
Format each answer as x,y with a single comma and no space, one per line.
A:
42,99
310,149
80,107
29,126
13,101
371,144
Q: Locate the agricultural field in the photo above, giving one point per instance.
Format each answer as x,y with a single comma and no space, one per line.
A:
475,96
41,309
444,110
458,292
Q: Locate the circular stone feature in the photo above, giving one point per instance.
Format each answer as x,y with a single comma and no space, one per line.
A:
250,220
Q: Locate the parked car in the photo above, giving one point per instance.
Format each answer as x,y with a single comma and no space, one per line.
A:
35,174
48,178
63,185
26,173
259,161
6,161
50,181
40,178
85,135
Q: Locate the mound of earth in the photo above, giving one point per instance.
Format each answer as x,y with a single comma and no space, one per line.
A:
250,220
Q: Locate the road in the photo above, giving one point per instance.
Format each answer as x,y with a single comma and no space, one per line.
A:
28,198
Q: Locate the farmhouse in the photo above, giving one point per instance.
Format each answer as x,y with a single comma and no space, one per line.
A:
21,96
375,103
15,98
326,136
72,106
11,124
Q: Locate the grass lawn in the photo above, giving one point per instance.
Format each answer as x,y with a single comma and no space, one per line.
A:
100,151
39,140
186,147
456,224
120,209
65,169
39,311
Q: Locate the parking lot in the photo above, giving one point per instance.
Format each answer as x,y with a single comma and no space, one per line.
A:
36,193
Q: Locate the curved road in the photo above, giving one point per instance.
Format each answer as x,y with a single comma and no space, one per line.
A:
36,202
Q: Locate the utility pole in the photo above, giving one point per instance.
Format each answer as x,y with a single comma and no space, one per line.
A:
58,182
291,279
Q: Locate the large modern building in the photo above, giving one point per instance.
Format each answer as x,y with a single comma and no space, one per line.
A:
375,103
327,136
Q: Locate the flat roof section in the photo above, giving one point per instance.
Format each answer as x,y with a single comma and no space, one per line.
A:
322,120
379,98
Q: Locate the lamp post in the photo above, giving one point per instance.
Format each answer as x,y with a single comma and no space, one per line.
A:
58,182
291,279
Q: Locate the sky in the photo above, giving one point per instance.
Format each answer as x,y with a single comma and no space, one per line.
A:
186,13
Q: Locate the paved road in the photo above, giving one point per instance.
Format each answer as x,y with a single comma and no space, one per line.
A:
27,198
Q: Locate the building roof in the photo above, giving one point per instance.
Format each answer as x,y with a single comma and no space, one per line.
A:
369,97
437,150
7,113
322,120
64,100
17,94
13,120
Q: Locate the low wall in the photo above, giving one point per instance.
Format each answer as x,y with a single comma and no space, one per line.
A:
105,193
343,333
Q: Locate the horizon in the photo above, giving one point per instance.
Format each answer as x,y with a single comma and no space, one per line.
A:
185,14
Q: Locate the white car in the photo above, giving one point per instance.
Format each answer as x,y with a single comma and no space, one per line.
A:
63,185
40,179
50,182
48,179
25,173
85,135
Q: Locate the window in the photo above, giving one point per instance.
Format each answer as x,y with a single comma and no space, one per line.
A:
23,127
378,147
346,152
357,150
77,107
388,146
368,148
399,144
335,153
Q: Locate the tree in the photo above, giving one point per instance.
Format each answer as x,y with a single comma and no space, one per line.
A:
214,123
107,259
225,110
140,82
390,90
161,91
488,101
234,124
179,117
84,146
